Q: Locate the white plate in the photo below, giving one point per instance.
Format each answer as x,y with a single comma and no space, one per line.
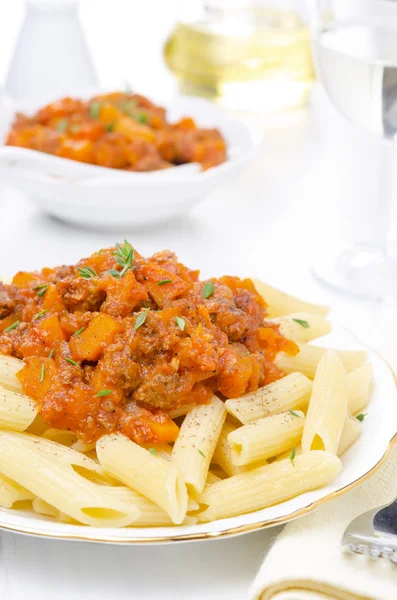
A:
112,199
360,461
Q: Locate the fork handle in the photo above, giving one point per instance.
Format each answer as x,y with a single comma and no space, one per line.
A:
385,520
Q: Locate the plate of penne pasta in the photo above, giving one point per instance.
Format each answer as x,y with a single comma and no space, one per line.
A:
141,404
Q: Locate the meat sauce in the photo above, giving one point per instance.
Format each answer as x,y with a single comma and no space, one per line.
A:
119,131
118,341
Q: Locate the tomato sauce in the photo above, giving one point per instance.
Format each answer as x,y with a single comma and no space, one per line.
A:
118,341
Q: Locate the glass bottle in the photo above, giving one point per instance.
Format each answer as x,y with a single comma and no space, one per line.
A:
252,55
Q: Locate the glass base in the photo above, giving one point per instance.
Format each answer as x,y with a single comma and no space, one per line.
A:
363,271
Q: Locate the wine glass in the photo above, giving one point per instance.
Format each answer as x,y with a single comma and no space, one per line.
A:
355,53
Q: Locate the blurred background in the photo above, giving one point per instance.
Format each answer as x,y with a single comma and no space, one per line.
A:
310,190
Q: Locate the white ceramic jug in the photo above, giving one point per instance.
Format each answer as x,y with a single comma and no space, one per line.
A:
51,58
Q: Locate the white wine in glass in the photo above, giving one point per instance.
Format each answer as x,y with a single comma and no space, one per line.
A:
355,49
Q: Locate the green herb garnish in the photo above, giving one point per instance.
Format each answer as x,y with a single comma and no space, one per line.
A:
42,374
41,289
95,109
141,318
100,251
104,393
180,322
295,414
51,354
292,456
76,333
62,124
202,453
302,323
11,327
87,272
72,362
141,117
114,273
208,289
128,107
164,281
153,451
39,314
110,126
124,256
361,416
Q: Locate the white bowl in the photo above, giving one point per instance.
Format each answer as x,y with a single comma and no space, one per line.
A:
111,199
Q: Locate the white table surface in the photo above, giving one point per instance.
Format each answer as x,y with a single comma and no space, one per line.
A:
311,188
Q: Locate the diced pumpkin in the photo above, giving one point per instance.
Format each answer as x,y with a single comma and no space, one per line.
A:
80,150
162,293
23,279
36,376
133,130
52,300
90,344
166,431
7,322
123,295
52,327
108,113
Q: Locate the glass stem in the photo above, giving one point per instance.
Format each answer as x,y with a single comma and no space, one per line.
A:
385,198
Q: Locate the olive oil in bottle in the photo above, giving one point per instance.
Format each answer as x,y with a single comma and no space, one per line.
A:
245,57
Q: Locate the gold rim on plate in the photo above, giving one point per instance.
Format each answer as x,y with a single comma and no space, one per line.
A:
232,531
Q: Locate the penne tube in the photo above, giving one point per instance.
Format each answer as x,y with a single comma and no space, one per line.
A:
359,385
280,303
195,445
308,357
38,427
266,438
153,477
180,411
11,492
303,327
162,450
351,431
43,508
328,406
9,367
268,485
290,392
46,470
66,438
223,453
17,411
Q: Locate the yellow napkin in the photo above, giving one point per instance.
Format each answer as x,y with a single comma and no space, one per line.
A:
306,561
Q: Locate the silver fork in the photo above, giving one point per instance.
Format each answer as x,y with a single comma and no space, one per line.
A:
374,533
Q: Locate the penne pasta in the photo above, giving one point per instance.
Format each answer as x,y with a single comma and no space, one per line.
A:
43,508
223,453
46,470
146,473
266,438
17,411
303,327
359,385
11,492
308,357
181,411
290,392
328,406
9,367
195,446
268,485
351,431
280,303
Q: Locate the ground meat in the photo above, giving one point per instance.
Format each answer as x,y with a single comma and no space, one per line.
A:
81,294
64,271
8,294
